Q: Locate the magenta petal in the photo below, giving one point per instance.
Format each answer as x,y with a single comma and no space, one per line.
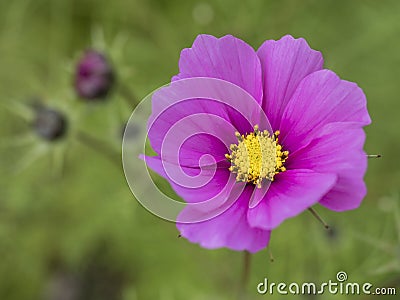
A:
234,103
259,193
230,229
284,64
347,194
338,148
227,58
293,192
224,108
190,129
196,146
320,99
215,181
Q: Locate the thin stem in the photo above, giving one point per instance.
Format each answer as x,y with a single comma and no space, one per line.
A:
128,95
100,147
271,256
315,214
245,275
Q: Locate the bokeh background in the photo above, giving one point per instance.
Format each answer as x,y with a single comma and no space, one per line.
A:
69,227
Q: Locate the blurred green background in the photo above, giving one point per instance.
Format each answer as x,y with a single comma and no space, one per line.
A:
69,226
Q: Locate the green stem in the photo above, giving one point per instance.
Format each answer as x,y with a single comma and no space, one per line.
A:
100,147
245,275
316,215
128,95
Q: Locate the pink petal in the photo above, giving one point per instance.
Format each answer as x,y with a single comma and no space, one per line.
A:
338,148
284,64
347,194
225,108
230,229
215,181
186,131
291,193
259,193
227,58
320,99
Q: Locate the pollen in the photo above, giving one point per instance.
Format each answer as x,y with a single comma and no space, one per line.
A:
257,156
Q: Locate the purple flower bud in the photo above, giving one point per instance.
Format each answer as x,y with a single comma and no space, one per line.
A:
94,76
49,124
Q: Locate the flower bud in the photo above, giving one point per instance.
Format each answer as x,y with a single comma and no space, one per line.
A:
49,124
94,76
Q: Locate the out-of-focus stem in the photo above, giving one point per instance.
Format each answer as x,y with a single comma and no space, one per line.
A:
245,275
128,95
100,147
271,256
316,215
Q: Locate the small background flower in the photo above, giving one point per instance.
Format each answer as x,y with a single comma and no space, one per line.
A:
82,232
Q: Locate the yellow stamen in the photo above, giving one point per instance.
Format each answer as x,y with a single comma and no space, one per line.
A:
257,156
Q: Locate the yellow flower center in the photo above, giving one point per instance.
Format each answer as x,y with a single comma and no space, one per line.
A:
257,156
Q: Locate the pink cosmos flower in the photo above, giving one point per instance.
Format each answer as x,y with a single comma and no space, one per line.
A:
94,76
308,151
